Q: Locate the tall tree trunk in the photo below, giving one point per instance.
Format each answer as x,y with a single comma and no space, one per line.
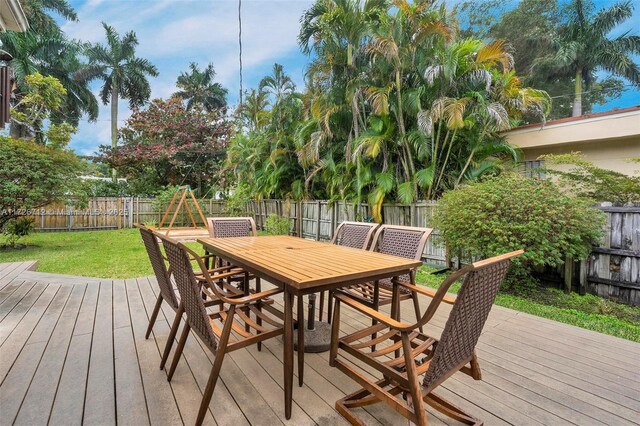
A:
114,125
577,100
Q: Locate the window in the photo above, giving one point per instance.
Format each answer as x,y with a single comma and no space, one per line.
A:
532,169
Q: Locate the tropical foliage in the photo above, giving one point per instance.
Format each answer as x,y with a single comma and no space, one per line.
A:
44,49
198,89
45,96
583,47
560,46
123,74
167,144
396,107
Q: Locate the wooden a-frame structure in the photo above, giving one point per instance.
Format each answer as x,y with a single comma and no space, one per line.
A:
181,195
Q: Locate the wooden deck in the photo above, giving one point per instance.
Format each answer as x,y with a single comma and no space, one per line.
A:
72,350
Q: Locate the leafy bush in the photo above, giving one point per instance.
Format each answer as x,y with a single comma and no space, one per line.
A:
15,229
33,175
236,204
511,212
277,225
108,188
585,179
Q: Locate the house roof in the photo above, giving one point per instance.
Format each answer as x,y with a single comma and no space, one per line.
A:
621,124
576,119
12,17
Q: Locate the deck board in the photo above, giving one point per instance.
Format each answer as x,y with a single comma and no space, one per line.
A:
72,350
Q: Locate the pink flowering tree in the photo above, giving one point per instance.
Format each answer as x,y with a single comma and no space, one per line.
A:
166,144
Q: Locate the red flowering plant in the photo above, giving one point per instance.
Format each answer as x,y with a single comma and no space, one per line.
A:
166,144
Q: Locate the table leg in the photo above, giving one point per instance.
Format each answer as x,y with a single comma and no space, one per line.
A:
301,328
288,352
395,299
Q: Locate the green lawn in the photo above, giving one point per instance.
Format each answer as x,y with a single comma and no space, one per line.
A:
102,254
588,311
120,254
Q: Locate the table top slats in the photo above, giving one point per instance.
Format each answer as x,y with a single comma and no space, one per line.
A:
305,263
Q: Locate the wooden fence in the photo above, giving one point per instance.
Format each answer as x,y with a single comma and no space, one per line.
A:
612,270
111,213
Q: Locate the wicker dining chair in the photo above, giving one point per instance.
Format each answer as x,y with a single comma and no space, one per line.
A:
349,234
168,293
224,330
437,359
225,227
396,240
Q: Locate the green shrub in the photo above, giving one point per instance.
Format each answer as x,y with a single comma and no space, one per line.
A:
277,225
108,188
511,212
236,203
15,229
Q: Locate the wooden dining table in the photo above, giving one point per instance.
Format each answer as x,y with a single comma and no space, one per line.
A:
301,267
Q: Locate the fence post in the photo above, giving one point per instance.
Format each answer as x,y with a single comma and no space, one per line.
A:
568,274
299,218
333,220
130,212
318,223
69,217
412,213
119,213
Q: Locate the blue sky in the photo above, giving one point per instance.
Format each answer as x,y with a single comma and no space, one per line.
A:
173,33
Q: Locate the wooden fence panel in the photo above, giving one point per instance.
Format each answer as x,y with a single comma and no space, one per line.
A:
613,268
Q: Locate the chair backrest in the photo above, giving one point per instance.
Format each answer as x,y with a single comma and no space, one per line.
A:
467,318
159,267
354,234
190,291
402,241
224,227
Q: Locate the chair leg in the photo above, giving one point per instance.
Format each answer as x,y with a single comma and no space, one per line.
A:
335,331
247,292
416,307
450,410
376,306
154,315
259,306
172,336
179,349
476,372
330,306
414,386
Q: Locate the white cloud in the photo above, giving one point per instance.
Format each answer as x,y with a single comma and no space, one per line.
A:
174,33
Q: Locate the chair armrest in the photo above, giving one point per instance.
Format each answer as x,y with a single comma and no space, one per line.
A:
430,292
372,313
229,268
253,297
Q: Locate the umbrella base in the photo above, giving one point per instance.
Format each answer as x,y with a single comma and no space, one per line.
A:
316,340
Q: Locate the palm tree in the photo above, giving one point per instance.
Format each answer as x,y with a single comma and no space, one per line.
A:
124,74
40,21
199,90
254,109
50,54
278,83
583,47
477,90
